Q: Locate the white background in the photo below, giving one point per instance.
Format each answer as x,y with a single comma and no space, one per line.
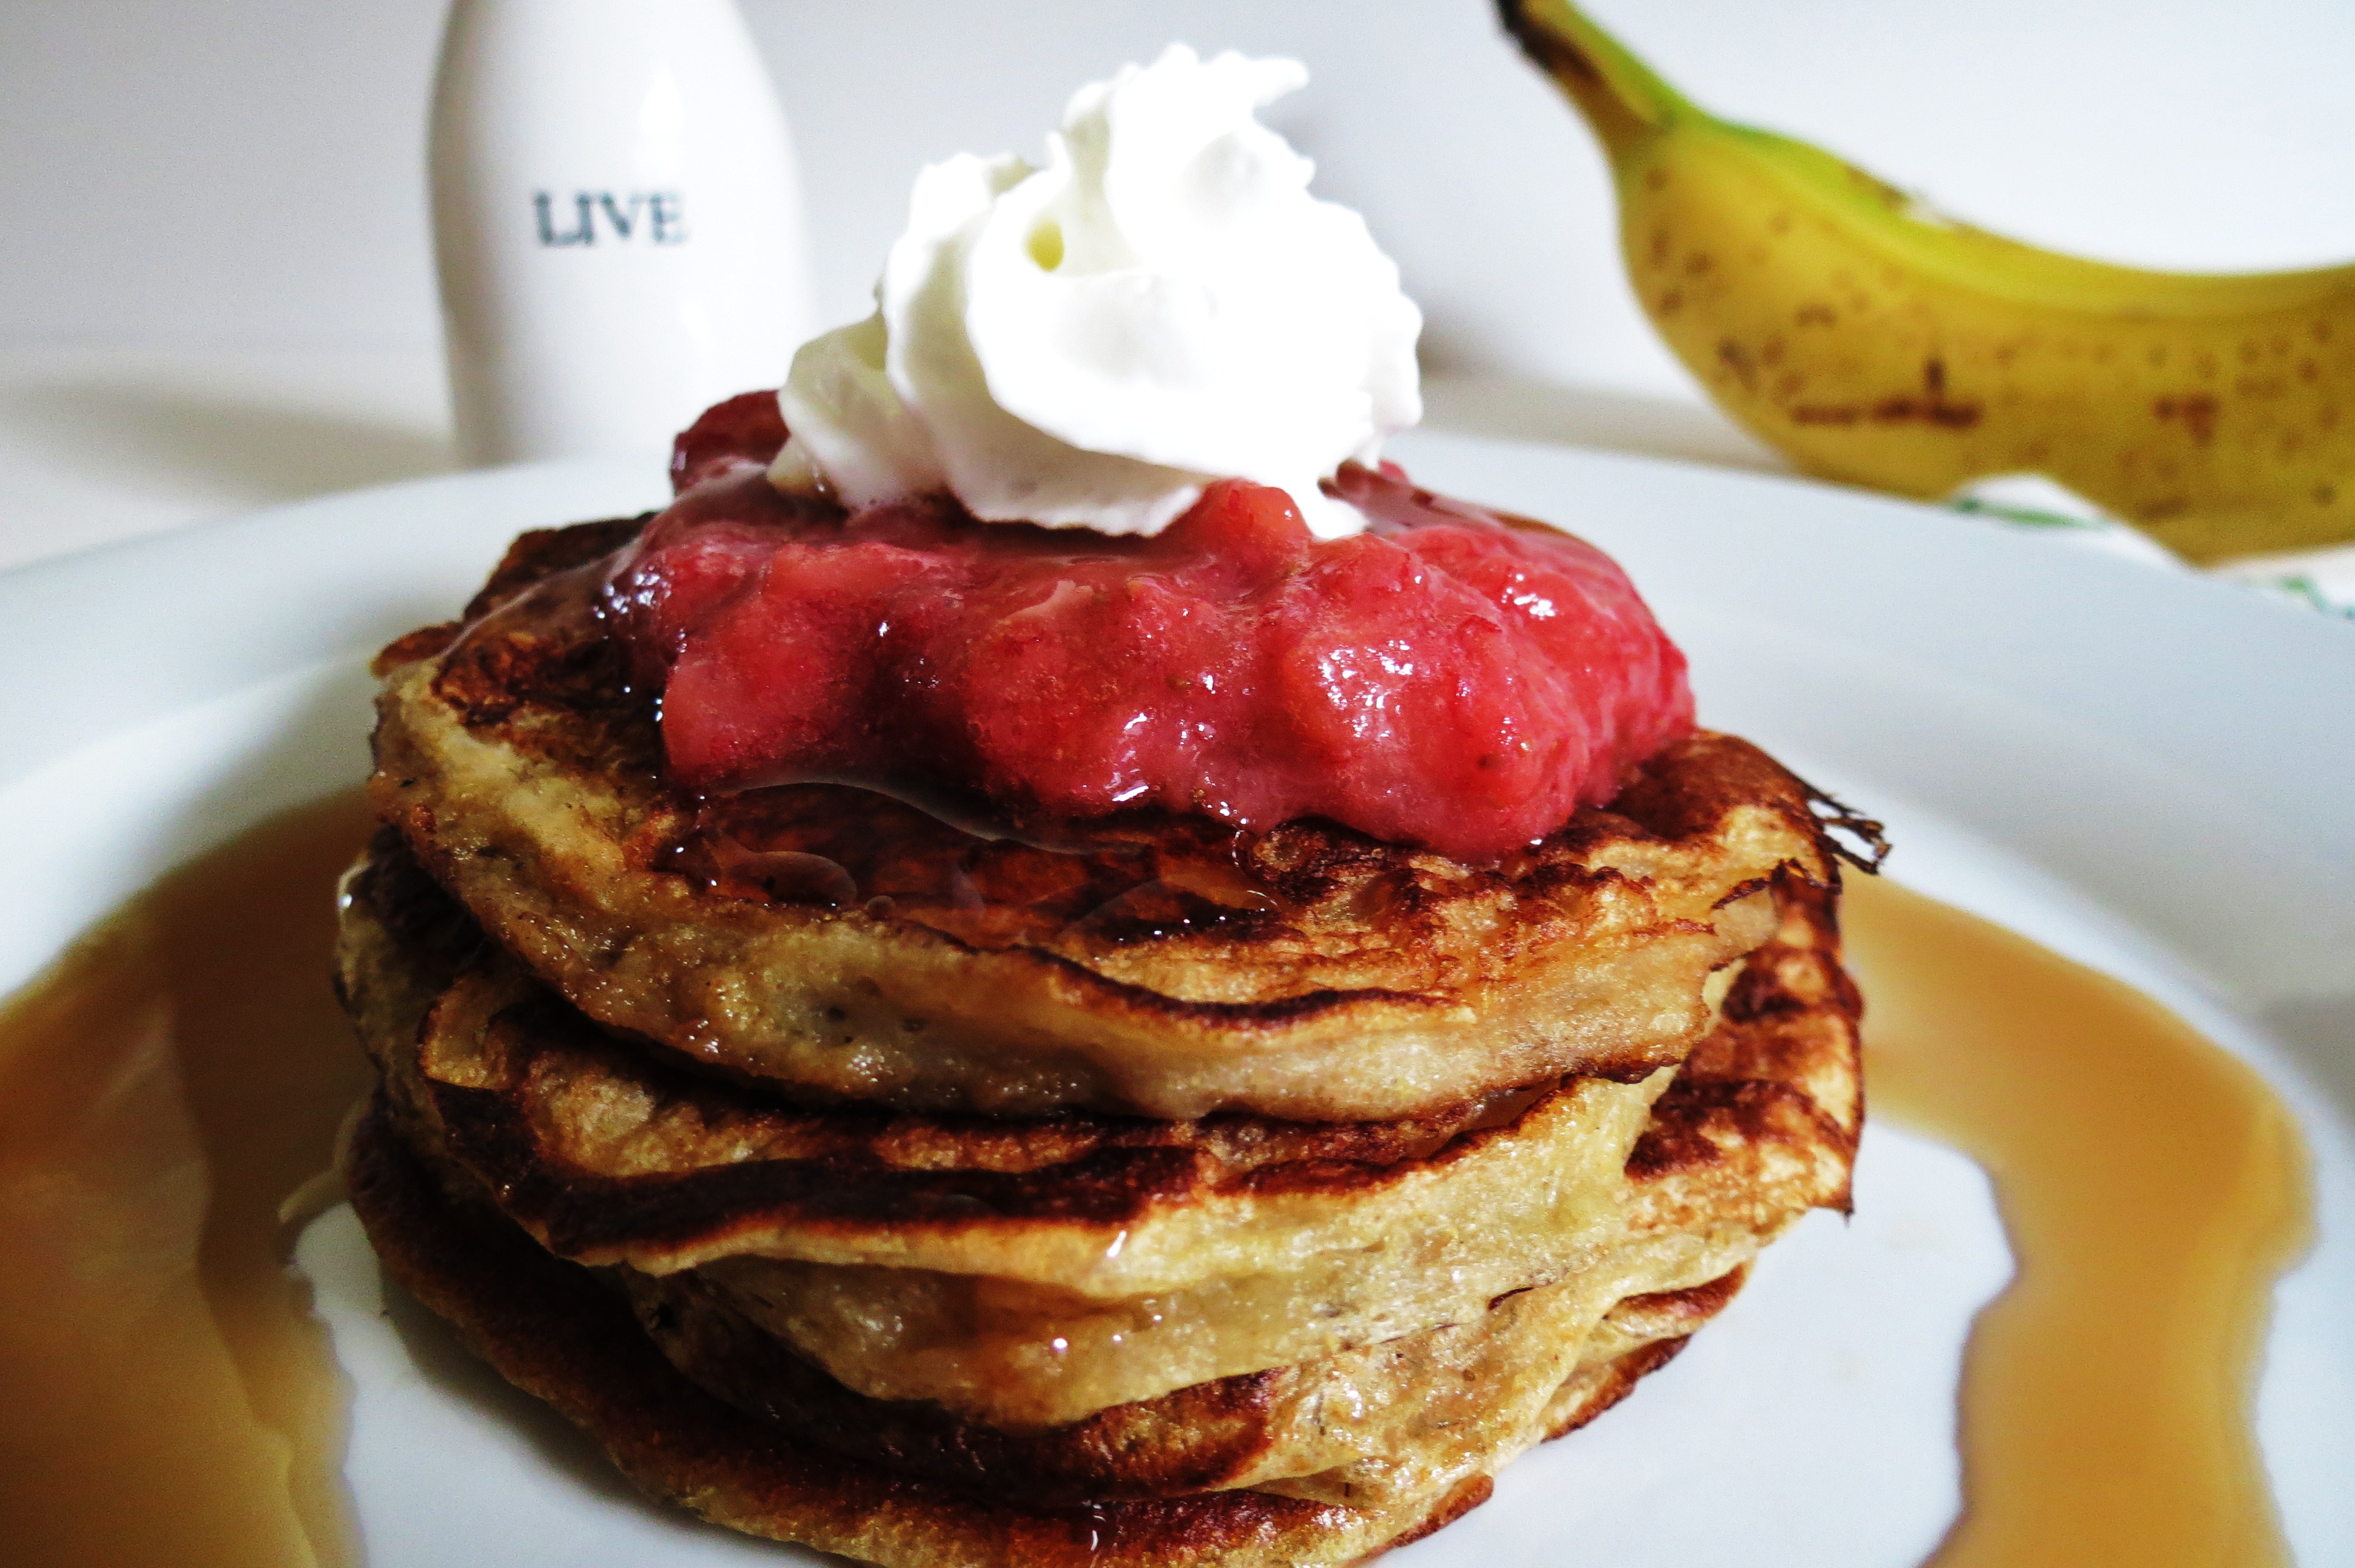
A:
250,173
217,289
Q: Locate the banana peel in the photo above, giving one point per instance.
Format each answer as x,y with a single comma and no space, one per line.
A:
1875,342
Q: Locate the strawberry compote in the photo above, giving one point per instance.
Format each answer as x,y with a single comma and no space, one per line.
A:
1446,678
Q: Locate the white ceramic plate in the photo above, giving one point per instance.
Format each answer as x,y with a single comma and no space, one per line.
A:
2152,773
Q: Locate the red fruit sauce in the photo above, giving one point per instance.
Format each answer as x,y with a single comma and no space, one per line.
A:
1447,678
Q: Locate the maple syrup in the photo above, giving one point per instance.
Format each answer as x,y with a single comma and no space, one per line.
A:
166,1396
179,1076
2152,1188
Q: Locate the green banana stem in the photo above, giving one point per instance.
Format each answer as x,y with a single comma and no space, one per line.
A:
1621,98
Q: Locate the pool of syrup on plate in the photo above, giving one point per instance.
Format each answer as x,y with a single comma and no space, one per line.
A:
173,1082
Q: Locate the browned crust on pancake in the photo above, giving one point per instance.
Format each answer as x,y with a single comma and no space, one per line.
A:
1192,1440
855,1167
1469,1493
850,1164
547,1327
1792,1027
1200,1438
1616,1383
813,935
1662,1323
1777,1075
1776,1078
1776,1088
535,555
539,554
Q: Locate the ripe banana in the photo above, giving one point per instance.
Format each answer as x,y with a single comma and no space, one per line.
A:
1874,342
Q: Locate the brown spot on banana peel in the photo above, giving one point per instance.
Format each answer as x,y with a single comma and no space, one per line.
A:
1739,360
1930,406
1901,409
2196,409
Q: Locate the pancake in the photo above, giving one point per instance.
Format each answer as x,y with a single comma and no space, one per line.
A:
1338,1427
548,1327
1760,1122
1030,1274
842,944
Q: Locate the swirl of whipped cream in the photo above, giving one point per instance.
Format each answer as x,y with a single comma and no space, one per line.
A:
1091,343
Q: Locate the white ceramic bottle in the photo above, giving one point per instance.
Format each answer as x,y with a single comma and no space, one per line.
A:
617,221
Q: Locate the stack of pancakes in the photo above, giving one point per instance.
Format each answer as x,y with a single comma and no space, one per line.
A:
1169,1195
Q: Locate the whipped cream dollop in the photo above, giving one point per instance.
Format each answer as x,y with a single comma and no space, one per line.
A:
1091,343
